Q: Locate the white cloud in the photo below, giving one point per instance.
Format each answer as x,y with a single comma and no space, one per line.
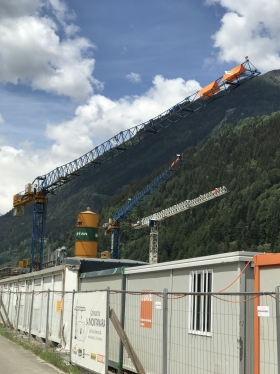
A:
249,28
133,77
102,118
95,122
15,8
32,52
1,119
63,16
19,166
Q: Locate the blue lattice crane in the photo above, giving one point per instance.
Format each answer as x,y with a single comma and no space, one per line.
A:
113,226
43,185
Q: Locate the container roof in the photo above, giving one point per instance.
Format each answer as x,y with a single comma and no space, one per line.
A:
96,264
222,258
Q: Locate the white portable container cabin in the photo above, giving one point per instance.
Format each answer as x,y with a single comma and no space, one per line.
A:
57,279
205,334
16,294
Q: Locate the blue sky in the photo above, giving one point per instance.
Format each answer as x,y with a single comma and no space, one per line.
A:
148,37
73,74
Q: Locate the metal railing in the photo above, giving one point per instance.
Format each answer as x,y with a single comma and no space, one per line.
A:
194,333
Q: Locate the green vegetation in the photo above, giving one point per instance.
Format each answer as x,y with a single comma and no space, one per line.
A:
49,355
246,159
233,142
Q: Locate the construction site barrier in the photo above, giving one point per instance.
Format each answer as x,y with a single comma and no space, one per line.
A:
162,332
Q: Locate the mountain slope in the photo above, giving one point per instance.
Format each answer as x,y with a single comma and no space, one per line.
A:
257,97
246,159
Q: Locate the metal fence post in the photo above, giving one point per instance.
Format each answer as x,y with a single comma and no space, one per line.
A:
30,316
107,329
18,311
10,324
278,327
71,327
47,321
1,301
164,331
122,318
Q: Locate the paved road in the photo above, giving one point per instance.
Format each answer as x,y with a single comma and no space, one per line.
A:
16,360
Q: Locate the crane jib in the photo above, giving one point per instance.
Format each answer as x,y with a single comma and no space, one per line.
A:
130,137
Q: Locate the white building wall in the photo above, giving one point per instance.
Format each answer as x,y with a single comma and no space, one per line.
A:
187,351
219,352
55,279
222,351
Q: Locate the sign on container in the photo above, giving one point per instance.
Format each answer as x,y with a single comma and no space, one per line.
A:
89,348
146,309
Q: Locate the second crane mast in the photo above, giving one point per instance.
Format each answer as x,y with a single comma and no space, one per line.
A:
113,226
152,220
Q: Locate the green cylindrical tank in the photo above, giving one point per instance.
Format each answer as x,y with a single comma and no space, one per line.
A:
87,234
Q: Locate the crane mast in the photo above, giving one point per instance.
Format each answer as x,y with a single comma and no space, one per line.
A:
43,185
113,226
154,219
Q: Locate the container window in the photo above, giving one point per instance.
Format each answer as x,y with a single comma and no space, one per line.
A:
47,280
200,305
37,282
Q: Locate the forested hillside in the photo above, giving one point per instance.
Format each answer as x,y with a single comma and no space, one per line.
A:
246,159
239,156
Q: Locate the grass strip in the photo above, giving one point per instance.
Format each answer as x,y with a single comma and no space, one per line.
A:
49,355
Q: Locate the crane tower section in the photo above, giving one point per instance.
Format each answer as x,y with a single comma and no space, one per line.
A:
153,220
113,226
